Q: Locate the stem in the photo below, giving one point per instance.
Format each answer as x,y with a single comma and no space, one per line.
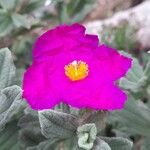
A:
84,116
97,117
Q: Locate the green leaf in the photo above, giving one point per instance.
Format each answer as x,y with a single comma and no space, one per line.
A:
120,37
46,145
78,9
57,124
8,4
62,10
101,145
10,104
3,11
134,118
33,6
146,144
72,6
118,143
20,20
7,68
6,25
55,144
82,14
86,135
30,133
135,79
147,70
9,137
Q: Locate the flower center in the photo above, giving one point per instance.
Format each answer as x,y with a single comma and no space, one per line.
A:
76,70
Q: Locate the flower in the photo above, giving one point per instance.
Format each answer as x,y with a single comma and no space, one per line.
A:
70,66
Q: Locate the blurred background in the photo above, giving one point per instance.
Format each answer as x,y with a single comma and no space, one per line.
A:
122,24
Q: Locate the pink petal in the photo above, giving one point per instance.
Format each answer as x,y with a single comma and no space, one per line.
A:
116,64
39,90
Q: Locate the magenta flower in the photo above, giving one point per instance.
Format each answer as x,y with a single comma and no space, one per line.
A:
69,66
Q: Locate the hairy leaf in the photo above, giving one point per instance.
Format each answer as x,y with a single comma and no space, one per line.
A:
146,144
57,124
135,78
10,104
7,4
7,69
20,20
9,137
30,133
45,145
101,145
33,6
86,135
134,118
6,26
118,143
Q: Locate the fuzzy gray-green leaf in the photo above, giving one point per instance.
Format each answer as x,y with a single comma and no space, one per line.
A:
118,143
135,117
86,136
7,4
30,134
10,104
9,137
6,25
100,144
146,144
147,70
20,20
57,124
45,145
135,78
7,68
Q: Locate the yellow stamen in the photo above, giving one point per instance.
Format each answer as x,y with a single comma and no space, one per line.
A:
76,70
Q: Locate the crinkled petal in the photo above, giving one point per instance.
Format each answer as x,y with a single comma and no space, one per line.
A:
38,89
112,98
116,64
91,40
75,29
69,38
49,41
106,96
